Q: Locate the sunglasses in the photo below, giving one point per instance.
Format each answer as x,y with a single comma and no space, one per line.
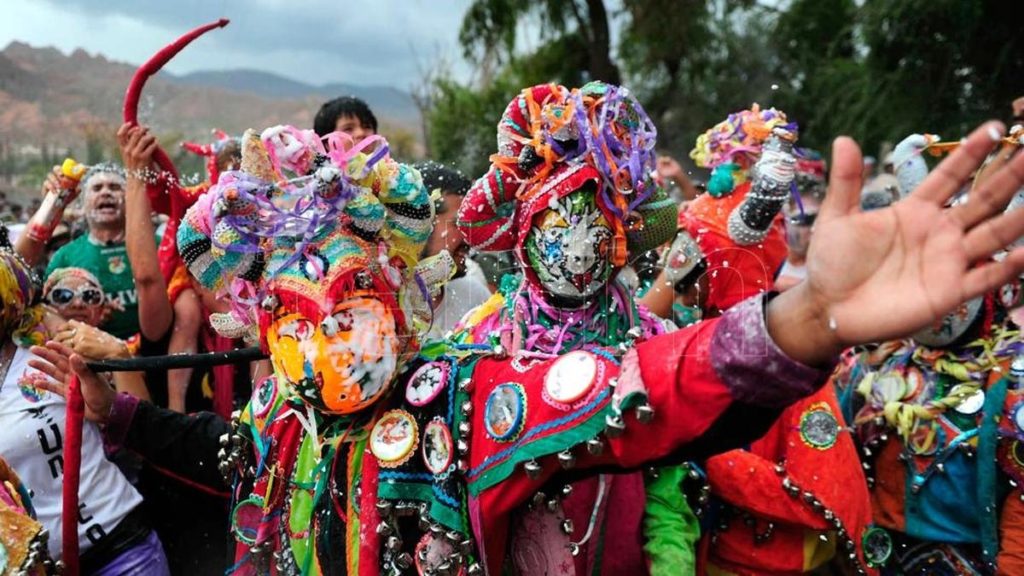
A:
63,296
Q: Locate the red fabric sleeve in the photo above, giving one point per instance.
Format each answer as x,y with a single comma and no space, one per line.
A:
1011,536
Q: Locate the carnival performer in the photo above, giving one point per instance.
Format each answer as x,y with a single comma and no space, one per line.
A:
333,471
795,499
568,300
114,537
938,419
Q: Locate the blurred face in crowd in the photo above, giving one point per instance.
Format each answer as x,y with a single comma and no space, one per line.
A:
354,127
799,226
77,298
103,200
446,235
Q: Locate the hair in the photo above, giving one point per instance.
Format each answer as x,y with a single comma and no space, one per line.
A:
100,168
437,176
327,117
230,152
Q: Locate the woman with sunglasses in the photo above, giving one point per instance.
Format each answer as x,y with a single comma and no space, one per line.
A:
114,535
76,296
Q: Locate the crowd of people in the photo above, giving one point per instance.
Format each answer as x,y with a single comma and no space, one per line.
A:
581,362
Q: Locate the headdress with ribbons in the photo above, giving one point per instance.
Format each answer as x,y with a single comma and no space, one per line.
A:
305,221
737,222
553,141
20,313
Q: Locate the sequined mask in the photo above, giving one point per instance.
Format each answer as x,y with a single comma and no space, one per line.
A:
569,246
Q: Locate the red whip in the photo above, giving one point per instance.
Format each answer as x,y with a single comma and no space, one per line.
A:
72,470
160,202
165,194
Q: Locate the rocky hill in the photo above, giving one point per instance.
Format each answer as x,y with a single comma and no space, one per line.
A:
51,99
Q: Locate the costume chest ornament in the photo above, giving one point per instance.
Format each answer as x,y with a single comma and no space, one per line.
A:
393,438
505,412
570,378
426,383
819,427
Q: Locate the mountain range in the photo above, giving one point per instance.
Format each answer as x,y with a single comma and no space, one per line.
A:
48,98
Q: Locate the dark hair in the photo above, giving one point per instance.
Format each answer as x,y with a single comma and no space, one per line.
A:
327,117
229,153
449,180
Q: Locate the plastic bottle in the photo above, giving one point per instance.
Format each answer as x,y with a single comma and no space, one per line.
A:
41,226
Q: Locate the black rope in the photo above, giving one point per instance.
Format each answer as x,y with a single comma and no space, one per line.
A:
178,361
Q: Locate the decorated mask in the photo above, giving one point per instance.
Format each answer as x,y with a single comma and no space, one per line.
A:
569,246
317,245
341,362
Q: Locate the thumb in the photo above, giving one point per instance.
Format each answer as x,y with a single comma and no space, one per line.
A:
85,375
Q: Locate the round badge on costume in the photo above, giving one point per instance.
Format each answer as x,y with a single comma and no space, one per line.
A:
972,404
1018,416
426,383
505,412
890,386
877,544
432,552
437,447
571,377
819,427
264,397
393,438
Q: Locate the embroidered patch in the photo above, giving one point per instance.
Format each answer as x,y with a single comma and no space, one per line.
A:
426,383
570,377
819,427
116,264
877,545
505,412
437,447
393,438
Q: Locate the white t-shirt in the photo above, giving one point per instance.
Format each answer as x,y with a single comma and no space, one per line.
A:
460,296
32,441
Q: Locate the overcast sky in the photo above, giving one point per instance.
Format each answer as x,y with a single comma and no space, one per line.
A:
317,41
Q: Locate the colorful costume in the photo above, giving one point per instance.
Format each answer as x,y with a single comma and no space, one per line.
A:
358,458
939,437
794,499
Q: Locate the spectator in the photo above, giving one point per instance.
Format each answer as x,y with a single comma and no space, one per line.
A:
114,536
102,249
346,114
464,292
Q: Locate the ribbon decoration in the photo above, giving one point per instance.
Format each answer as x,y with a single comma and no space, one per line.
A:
131,104
72,472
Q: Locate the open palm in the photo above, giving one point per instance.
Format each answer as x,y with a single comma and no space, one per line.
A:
884,274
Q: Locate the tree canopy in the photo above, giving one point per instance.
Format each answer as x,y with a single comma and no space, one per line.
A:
876,70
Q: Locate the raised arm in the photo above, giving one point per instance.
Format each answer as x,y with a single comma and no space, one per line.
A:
155,312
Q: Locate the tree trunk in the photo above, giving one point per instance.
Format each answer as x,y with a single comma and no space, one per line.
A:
599,44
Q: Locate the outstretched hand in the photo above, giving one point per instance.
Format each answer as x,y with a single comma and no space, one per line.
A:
58,362
883,274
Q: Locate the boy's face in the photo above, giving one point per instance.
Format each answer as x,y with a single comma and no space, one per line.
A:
352,126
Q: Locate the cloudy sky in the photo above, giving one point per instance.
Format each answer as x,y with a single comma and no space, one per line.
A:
317,41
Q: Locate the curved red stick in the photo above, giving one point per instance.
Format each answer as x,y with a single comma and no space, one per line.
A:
72,470
131,98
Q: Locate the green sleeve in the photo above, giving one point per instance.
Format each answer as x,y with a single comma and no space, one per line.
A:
671,529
